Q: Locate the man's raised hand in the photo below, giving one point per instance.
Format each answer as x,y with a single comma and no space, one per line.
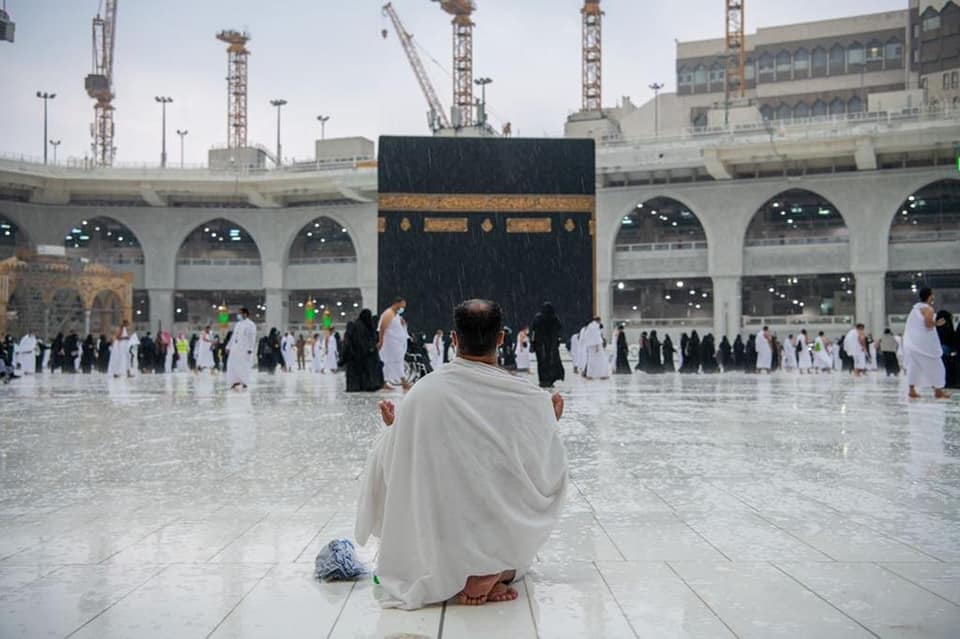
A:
389,412
557,405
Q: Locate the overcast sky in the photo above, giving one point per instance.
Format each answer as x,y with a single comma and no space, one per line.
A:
328,56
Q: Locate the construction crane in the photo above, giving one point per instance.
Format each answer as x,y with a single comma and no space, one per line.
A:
99,85
592,55
236,86
736,49
438,118
463,106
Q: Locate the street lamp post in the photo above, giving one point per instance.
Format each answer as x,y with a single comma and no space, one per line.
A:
656,86
482,83
164,101
322,119
182,135
46,97
55,144
278,103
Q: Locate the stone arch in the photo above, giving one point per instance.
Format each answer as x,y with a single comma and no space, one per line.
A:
219,238
661,221
104,240
12,238
796,215
322,239
929,213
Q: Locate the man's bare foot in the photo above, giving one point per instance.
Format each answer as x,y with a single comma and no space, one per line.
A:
913,394
502,592
939,393
477,589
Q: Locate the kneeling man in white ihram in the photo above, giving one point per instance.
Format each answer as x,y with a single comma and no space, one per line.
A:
468,480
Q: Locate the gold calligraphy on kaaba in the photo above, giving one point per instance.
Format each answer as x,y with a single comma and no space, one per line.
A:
445,225
405,224
381,224
570,225
529,225
467,203
487,225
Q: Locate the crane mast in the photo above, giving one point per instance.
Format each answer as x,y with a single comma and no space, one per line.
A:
438,118
237,53
463,105
592,54
736,50
99,85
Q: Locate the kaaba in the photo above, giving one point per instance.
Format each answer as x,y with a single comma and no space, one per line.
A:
509,220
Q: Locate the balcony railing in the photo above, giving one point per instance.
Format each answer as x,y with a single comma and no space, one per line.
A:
667,322
793,241
346,259
944,235
660,246
225,261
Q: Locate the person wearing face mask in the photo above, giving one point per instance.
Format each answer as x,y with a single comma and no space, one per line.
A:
392,343
240,351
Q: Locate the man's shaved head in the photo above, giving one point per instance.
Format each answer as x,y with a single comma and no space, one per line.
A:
478,324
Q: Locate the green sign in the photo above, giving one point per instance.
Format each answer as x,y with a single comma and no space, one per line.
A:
223,318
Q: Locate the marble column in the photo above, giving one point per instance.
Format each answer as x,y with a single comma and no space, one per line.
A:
277,309
604,305
727,306
86,321
871,301
161,308
368,299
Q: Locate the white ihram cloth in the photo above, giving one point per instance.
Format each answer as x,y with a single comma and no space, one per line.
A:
316,363
804,361
470,480
854,349
203,351
789,351
821,355
119,355
575,350
596,364
330,354
764,352
922,351
288,349
872,364
28,355
523,351
436,355
240,358
393,350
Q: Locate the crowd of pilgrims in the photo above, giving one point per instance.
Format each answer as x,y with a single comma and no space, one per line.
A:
356,352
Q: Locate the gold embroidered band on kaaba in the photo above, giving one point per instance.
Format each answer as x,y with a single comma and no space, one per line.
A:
471,203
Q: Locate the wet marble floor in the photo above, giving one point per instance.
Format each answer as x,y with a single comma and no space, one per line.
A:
704,506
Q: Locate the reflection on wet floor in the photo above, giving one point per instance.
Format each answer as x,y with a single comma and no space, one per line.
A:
703,506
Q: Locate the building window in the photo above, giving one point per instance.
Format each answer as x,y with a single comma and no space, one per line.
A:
700,75
716,74
954,80
837,107
819,109
923,83
837,56
874,52
801,110
854,54
750,71
783,62
931,20
766,66
766,112
684,78
893,51
946,80
801,61
855,105
956,101
784,112
700,121
819,59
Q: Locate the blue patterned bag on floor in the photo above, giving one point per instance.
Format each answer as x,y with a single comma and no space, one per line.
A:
338,562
